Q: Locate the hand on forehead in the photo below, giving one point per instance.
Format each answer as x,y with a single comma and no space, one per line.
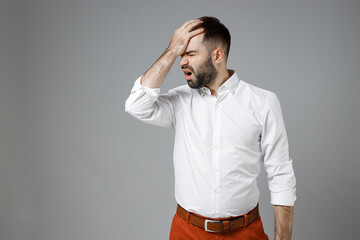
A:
196,43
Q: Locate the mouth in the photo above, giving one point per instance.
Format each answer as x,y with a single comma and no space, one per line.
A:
187,73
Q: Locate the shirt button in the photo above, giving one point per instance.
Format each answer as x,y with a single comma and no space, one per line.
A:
217,105
216,190
215,169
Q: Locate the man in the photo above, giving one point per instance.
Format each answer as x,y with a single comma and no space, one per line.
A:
223,128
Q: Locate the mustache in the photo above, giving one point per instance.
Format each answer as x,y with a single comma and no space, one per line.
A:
187,67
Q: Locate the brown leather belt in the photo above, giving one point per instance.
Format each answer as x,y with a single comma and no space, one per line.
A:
221,224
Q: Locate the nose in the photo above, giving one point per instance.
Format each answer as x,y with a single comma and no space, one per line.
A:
183,61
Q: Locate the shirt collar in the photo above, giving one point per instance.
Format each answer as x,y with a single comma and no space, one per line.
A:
229,85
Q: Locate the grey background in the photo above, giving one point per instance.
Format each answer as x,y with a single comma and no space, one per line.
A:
74,165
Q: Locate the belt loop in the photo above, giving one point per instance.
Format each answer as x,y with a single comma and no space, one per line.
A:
246,220
188,216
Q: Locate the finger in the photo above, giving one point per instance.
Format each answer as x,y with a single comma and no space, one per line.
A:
194,27
196,32
185,24
191,23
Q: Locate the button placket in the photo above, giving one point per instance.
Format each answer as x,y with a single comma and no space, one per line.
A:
217,157
215,162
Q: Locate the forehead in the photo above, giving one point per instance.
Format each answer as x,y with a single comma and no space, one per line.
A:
196,43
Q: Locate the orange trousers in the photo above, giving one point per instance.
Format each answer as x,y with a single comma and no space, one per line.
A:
182,230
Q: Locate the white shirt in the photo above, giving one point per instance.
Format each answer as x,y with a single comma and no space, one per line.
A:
219,143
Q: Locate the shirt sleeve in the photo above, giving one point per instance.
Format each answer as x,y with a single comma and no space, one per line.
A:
148,105
275,153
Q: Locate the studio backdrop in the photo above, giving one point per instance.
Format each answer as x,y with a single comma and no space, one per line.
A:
74,165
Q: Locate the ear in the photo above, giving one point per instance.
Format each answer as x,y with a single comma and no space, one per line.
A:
218,55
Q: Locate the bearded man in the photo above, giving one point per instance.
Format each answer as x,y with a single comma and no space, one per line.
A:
224,128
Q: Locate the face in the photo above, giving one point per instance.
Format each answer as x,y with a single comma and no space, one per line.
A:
197,64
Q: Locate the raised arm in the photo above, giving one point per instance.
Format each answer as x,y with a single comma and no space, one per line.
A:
145,101
154,77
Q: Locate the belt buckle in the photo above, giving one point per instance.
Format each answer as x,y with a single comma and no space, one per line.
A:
211,221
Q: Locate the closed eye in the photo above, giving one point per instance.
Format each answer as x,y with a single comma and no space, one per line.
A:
191,53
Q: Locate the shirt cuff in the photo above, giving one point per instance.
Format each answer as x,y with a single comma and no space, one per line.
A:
153,92
283,198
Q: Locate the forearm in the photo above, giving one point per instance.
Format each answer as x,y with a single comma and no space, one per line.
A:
154,77
283,222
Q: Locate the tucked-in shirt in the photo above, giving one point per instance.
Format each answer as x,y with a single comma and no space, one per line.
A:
220,143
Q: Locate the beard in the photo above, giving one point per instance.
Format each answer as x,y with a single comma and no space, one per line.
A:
204,75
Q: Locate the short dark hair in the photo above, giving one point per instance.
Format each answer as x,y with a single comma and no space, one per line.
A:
215,33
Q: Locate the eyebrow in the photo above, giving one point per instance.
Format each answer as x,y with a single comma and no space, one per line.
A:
191,51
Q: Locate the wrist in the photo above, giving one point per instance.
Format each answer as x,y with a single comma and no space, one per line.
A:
282,238
171,53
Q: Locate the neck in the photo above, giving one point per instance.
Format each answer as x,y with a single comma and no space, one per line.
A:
222,75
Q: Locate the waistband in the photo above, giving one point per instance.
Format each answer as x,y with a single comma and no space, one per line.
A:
219,225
